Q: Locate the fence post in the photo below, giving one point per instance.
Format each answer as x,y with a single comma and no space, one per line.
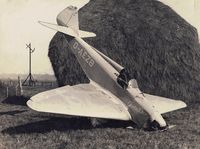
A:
7,92
18,88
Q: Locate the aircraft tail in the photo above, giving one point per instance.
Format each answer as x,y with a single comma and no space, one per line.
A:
69,18
68,23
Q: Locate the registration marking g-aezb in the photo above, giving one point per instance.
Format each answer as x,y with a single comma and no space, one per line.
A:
83,54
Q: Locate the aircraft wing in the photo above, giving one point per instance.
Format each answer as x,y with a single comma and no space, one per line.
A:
164,105
79,100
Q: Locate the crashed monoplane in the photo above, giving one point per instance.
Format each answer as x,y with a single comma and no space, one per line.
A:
110,93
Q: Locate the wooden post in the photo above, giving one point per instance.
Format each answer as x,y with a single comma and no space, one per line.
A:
19,90
7,92
51,84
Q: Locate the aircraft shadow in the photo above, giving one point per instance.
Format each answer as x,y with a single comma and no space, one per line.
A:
12,113
62,124
14,100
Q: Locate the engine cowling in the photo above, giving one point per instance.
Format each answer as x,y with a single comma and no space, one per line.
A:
154,125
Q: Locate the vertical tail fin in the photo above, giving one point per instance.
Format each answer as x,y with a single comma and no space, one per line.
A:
69,18
68,23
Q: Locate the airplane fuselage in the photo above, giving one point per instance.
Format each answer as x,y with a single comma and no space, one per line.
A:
105,75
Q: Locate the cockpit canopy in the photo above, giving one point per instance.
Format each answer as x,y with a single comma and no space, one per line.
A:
123,79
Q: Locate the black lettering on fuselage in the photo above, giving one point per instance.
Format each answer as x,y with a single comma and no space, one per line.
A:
83,54
88,59
80,51
91,63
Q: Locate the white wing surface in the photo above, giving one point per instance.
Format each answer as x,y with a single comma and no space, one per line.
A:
164,105
79,100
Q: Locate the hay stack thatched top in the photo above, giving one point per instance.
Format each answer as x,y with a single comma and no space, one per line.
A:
155,44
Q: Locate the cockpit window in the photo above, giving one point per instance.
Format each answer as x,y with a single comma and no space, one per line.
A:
123,79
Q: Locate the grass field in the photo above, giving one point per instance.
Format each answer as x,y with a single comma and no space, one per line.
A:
20,127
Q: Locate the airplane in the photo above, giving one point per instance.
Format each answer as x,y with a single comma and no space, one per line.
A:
110,94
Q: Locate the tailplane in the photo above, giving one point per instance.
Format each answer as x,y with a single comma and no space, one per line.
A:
68,30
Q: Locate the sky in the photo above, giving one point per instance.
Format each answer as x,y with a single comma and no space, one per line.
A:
19,26
188,9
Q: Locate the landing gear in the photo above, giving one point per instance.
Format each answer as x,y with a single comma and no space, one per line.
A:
96,122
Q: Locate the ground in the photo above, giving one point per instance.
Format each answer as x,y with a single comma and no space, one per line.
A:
21,127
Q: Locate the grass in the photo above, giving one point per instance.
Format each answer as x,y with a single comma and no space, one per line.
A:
22,127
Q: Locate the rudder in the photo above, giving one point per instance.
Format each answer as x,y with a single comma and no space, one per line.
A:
69,18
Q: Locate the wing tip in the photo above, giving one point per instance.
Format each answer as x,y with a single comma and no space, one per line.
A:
46,24
182,104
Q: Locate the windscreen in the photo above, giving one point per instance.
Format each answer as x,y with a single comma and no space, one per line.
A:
123,79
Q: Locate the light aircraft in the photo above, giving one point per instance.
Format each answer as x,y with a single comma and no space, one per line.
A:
110,93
